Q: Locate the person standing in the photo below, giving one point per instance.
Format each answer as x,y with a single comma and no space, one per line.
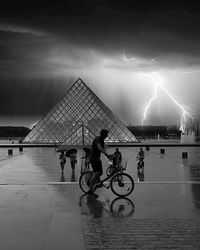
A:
73,159
118,157
62,158
140,157
97,148
141,154
86,163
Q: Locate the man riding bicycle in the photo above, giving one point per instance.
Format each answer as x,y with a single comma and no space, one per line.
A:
97,148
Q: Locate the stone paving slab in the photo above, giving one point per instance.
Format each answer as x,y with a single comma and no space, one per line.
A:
120,234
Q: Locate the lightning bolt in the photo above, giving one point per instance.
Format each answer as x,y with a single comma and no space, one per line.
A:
153,98
158,83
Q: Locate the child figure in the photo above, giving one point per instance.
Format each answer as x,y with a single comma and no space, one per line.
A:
62,158
87,159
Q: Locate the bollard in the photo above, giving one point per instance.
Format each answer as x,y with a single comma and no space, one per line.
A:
10,151
147,148
162,151
184,155
20,149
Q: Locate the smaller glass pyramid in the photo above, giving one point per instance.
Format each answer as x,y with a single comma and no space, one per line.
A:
77,119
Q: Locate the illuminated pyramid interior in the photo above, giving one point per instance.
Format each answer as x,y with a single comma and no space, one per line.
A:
77,119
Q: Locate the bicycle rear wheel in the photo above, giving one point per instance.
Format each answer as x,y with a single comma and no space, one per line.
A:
84,181
122,184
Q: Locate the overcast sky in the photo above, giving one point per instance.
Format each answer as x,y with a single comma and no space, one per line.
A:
119,48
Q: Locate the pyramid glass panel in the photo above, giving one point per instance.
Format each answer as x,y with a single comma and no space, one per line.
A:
77,119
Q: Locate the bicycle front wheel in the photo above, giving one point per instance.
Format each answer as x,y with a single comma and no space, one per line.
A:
109,170
84,181
122,207
122,184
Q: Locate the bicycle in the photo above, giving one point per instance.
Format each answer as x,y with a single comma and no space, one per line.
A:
120,167
120,207
121,184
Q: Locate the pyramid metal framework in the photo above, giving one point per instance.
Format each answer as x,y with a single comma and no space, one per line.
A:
77,119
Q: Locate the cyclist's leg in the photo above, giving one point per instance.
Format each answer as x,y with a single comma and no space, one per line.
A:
94,178
97,172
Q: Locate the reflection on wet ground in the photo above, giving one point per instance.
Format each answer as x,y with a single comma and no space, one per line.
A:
195,188
180,176
119,207
49,208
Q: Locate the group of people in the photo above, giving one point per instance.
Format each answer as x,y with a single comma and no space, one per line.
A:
93,158
63,155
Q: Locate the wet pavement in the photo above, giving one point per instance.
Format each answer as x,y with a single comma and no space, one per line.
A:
41,209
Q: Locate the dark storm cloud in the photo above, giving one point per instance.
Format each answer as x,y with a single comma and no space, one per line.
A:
38,40
149,29
29,97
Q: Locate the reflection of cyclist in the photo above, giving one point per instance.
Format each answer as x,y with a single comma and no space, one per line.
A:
96,150
95,206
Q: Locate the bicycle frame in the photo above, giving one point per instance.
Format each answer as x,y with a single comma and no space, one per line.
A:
115,172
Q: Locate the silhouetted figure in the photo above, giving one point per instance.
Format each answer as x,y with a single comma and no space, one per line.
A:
141,154
86,164
95,157
71,153
73,177
62,158
73,160
140,165
117,158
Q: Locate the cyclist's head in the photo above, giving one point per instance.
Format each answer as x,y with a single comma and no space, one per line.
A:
117,149
104,133
141,149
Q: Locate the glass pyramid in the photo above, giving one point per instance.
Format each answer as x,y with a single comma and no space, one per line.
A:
77,119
